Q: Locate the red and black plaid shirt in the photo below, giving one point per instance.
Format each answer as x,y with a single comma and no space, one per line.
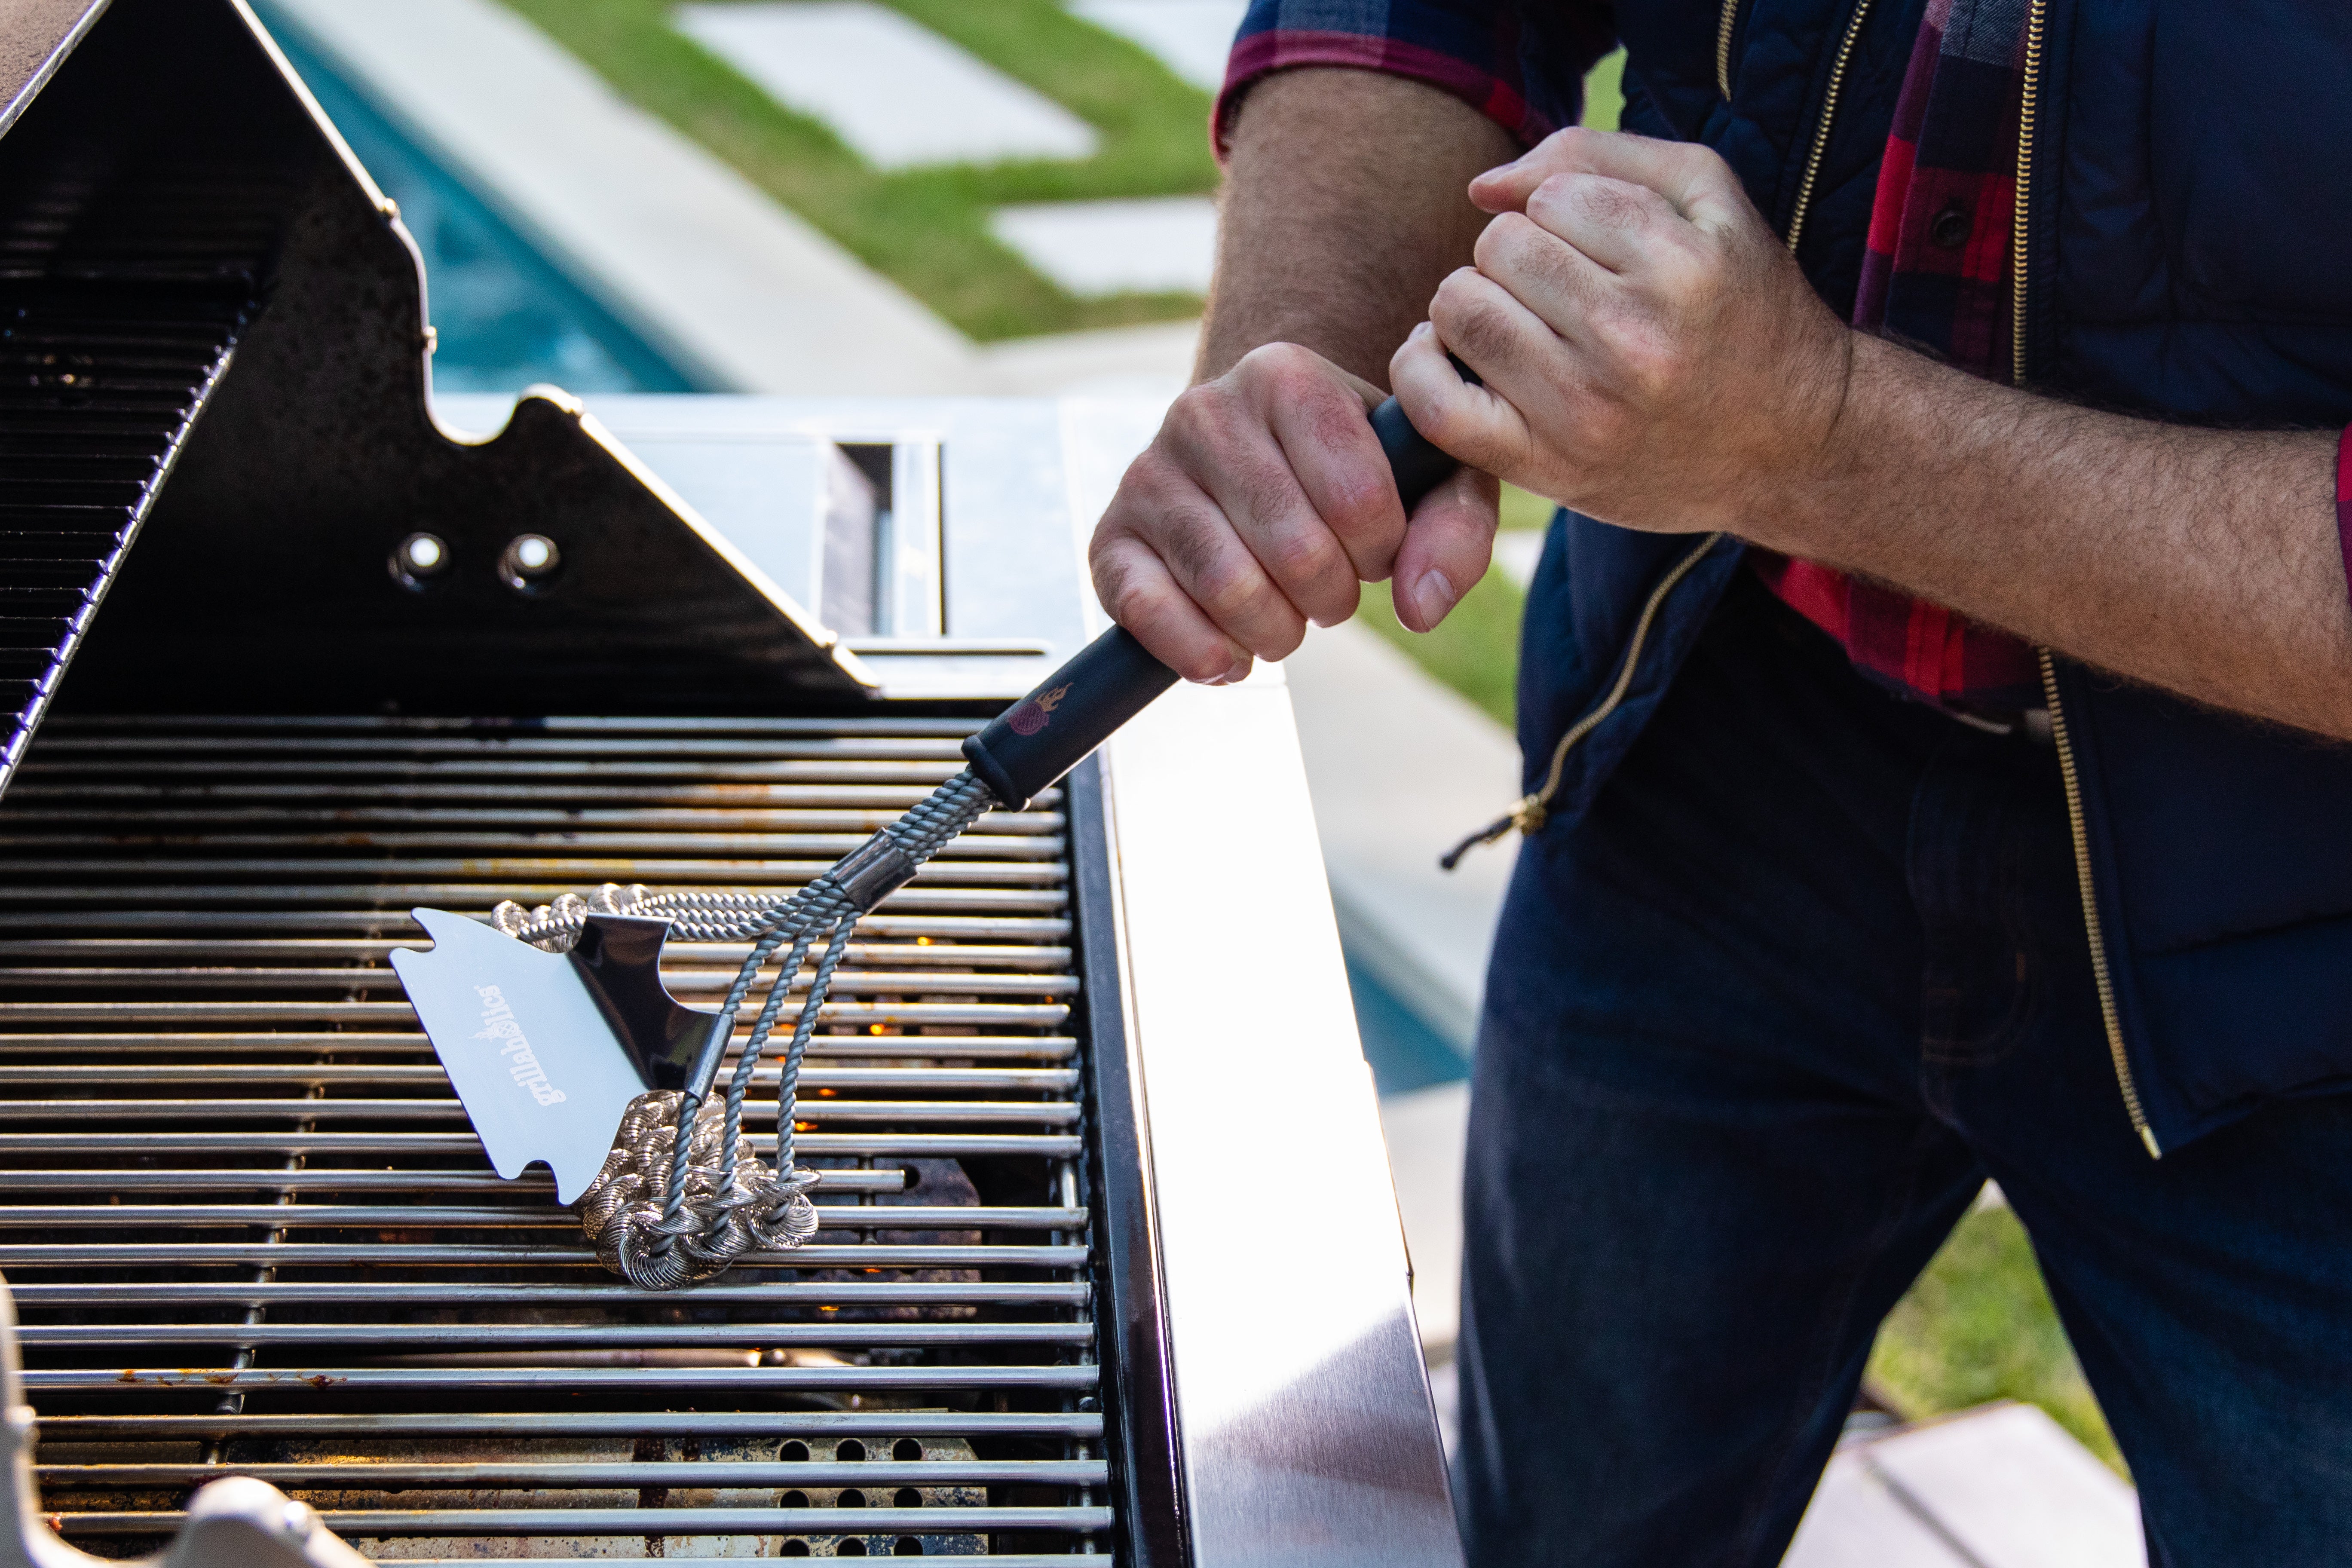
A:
1937,274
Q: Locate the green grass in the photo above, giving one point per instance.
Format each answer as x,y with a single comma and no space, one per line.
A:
1522,512
1474,650
927,230
1604,93
1979,1325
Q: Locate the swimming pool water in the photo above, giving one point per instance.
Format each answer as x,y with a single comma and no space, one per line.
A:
504,316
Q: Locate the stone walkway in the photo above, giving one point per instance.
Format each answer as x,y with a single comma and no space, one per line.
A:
1190,37
902,97
1998,1487
1153,246
898,94
740,294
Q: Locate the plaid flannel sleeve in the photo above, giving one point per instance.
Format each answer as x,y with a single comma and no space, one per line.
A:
2344,501
1521,63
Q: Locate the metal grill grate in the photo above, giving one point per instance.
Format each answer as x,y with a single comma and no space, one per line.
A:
249,1231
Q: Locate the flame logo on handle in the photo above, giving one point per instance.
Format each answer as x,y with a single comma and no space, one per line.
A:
1036,712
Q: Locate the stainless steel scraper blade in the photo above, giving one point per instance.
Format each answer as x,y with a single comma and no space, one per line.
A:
541,1069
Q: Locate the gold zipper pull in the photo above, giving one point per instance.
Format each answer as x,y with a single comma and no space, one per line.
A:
1527,817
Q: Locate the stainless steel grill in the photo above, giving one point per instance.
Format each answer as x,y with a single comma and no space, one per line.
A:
249,1232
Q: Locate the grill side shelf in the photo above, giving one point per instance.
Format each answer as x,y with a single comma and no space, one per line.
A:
1145,1442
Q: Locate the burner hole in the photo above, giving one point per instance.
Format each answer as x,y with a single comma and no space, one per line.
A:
850,1498
907,1450
850,1548
793,1548
795,1500
907,1547
906,1497
418,559
850,1448
528,561
792,1451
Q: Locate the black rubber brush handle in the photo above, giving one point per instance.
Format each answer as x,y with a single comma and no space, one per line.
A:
1046,734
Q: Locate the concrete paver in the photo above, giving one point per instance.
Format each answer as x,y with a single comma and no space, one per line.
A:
1999,1487
898,94
1154,245
1192,37
1151,364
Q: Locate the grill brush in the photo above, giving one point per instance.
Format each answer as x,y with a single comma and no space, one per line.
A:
566,1049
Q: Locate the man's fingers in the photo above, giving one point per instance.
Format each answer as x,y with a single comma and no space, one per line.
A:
1261,508
1622,225
1351,498
1291,464
1139,592
1447,548
1692,177
1552,278
1264,502
1505,343
1163,540
1213,564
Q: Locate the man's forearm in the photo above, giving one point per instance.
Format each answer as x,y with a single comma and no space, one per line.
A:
1344,207
2204,561
1650,355
1263,503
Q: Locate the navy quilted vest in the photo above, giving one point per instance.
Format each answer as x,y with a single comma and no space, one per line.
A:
2188,256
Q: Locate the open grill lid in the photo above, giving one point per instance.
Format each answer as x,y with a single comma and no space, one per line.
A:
197,282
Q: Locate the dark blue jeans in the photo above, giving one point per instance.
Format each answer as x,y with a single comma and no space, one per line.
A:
1756,1029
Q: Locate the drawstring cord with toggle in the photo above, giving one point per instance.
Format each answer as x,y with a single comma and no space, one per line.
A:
1533,811
1527,817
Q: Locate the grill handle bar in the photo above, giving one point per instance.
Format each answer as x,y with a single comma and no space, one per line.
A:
1078,706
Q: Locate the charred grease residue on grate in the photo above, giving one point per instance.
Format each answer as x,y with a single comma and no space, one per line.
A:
249,1228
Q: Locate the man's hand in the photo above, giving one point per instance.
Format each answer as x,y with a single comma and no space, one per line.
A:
1262,505
1652,355
1652,358
1264,498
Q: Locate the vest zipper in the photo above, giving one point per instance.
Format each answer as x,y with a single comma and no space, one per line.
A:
2101,976
1528,815
2029,99
1723,32
1829,113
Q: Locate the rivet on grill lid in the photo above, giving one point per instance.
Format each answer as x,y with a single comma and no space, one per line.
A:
529,561
417,560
